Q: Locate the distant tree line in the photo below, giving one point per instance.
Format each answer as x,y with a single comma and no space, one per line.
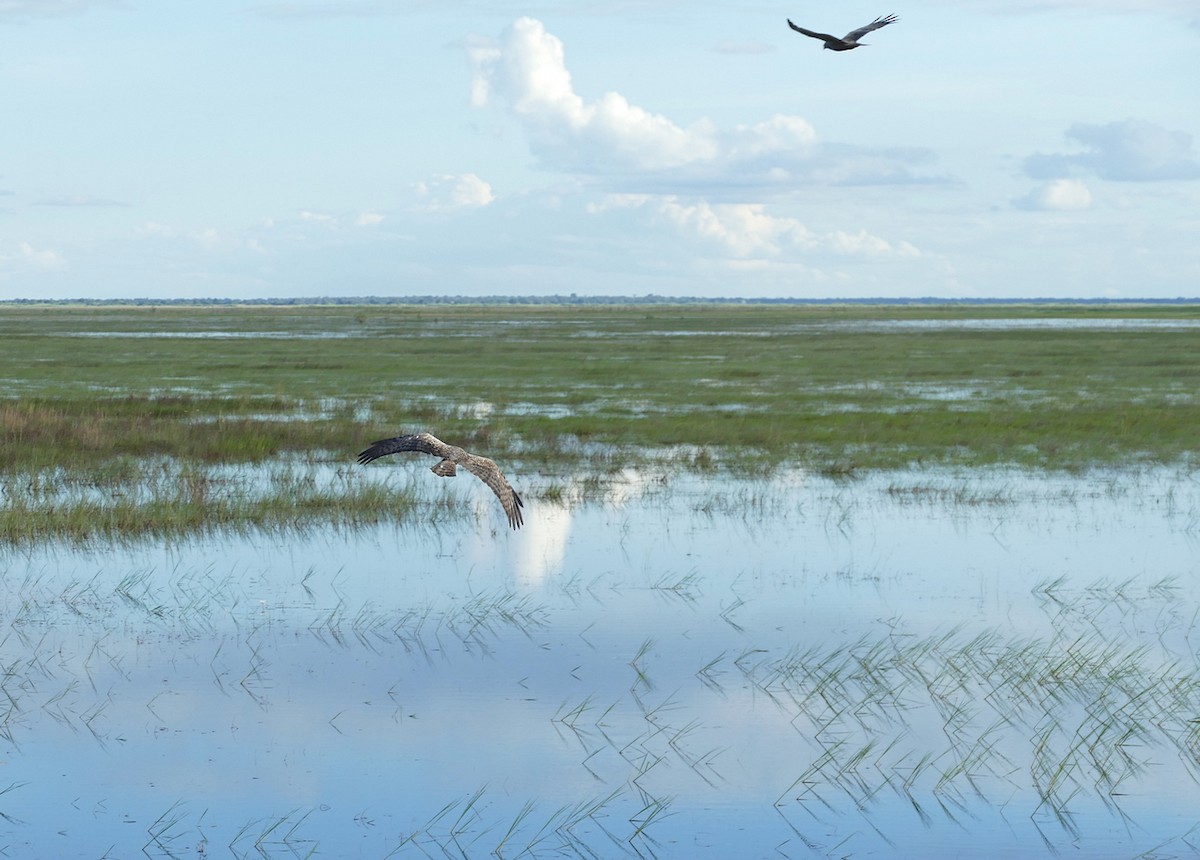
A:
573,299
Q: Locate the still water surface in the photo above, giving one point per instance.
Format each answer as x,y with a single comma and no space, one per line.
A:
947,665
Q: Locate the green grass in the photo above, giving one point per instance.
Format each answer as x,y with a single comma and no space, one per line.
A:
157,505
559,389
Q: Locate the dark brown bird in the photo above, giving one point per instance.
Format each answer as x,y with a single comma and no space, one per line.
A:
452,457
850,40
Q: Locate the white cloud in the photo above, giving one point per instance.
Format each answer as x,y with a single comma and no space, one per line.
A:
1130,151
316,217
365,218
154,228
779,134
30,259
613,139
449,193
624,145
529,71
483,54
746,230
42,261
1059,195
207,238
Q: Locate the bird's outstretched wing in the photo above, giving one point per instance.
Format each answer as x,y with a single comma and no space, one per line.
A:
824,37
481,467
488,472
425,443
855,35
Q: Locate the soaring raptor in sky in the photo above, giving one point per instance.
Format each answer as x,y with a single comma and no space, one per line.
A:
850,40
452,457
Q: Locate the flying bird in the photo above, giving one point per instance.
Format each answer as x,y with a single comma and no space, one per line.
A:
452,457
850,40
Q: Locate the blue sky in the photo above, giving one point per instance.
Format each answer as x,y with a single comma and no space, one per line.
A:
368,147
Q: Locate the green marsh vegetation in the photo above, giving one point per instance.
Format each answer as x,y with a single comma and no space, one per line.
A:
970,642
99,398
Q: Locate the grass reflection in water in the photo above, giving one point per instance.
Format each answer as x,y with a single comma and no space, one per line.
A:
798,666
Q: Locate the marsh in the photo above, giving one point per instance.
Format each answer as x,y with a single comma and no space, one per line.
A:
714,636
682,666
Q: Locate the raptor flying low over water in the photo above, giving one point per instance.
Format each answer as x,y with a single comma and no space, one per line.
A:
452,457
850,40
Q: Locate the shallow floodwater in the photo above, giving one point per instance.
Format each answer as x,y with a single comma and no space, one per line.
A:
934,665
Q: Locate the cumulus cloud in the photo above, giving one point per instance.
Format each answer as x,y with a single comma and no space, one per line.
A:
41,260
529,71
708,186
30,259
331,222
748,230
449,193
1128,151
744,229
316,217
613,140
1059,195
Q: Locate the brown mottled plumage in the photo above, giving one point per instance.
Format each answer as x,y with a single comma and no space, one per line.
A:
850,40
452,456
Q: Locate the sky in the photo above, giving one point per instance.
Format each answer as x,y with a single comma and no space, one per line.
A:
299,148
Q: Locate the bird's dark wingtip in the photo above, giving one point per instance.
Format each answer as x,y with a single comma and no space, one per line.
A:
516,520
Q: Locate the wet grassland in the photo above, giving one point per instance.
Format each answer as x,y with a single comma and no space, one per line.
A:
103,402
794,582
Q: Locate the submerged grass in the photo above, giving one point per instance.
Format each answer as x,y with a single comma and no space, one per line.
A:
941,720
189,502
836,389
